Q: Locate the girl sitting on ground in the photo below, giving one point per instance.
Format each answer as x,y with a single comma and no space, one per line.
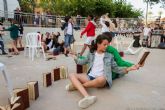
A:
46,41
101,65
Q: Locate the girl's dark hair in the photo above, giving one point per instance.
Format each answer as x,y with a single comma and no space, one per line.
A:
67,18
98,40
107,23
108,34
115,23
91,16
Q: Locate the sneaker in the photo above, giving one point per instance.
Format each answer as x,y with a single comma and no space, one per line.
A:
4,53
66,55
70,87
87,101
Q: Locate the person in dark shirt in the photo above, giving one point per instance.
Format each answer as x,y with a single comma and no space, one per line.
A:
1,40
14,30
20,34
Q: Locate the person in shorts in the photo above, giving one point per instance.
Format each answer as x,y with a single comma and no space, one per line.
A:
68,32
14,30
21,29
90,32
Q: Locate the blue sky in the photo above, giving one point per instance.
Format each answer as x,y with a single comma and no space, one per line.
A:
139,4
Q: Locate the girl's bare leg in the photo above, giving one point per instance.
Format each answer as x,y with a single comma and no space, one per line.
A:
77,81
80,81
20,41
96,83
14,46
83,49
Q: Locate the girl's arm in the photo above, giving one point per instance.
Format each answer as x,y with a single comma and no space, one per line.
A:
86,29
82,61
101,21
9,29
121,70
120,62
116,68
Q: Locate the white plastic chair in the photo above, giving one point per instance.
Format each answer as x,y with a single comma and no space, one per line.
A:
130,51
7,80
33,43
119,40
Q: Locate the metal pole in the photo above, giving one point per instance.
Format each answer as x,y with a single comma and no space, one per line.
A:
147,12
5,9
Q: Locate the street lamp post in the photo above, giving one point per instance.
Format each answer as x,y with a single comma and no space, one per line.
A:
5,9
147,12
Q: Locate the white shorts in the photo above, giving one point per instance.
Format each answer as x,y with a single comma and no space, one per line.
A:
89,40
20,35
50,44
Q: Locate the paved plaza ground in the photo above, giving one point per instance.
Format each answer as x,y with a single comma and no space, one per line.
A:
139,90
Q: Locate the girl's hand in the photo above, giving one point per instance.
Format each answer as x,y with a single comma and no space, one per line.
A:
134,67
141,65
73,55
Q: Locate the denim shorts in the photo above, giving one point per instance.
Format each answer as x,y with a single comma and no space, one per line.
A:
91,77
68,38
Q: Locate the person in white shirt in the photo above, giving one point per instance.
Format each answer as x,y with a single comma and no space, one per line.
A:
68,32
105,25
146,32
146,35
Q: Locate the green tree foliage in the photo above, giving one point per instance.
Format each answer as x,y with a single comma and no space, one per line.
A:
115,8
27,5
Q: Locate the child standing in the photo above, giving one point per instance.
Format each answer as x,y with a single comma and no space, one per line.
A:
14,29
21,29
1,39
90,30
68,32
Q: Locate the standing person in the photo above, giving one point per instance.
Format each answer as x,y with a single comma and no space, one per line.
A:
1,40
21,29
17,15
136,37
78,21
146,35
37,19
112,28
105,24
101,65
90,30
14,29
68,32
162,34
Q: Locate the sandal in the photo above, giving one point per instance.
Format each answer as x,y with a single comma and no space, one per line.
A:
49,58
15,53
9,56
